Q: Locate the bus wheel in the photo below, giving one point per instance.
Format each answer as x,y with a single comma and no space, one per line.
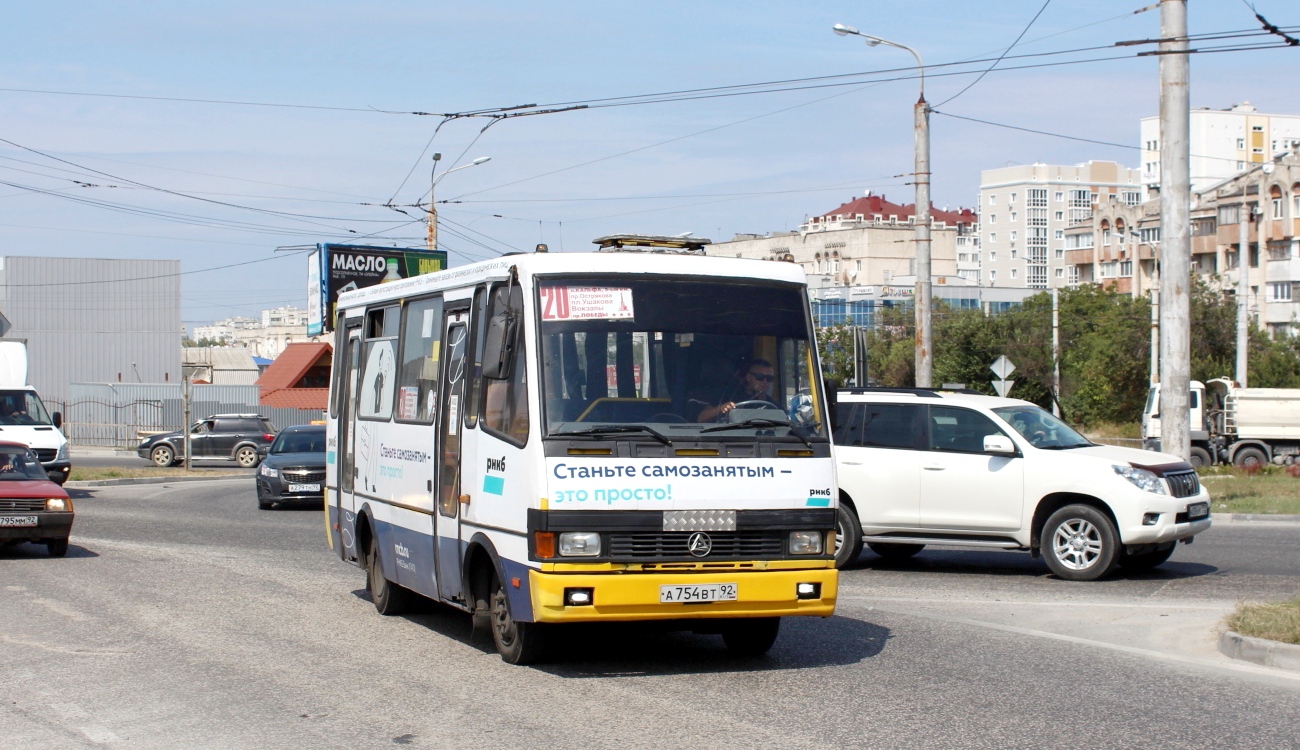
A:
751,637
389,598
517,642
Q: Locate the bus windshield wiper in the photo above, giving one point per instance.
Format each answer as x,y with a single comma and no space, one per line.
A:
759,422
614,429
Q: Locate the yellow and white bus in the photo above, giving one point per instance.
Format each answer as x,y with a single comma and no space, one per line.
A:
522,439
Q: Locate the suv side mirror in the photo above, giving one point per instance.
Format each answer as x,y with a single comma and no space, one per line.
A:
999,445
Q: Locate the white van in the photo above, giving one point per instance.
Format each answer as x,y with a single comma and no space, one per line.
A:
23,417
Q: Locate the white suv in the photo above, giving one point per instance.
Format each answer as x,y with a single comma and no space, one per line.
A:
960,469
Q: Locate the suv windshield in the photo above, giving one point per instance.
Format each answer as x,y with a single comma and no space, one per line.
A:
678,357
18,464
1041,428
22,407
299,441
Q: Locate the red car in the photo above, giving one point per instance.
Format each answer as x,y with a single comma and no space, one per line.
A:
32,508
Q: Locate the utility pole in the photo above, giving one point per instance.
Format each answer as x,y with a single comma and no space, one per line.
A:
1175,245
185,418
1243,287
924,319
1056,351
431,236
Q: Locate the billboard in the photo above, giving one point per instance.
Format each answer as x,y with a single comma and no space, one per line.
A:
333,269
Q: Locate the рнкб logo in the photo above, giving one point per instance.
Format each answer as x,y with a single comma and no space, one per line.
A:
699,545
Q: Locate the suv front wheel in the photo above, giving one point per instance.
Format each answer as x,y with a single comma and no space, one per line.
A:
1079,543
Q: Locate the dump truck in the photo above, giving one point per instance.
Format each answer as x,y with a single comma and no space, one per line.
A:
1230,424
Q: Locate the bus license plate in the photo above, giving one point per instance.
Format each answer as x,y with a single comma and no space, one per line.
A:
703,592
1197,510
304,488
17,521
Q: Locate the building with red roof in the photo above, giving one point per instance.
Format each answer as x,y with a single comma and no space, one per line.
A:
299,378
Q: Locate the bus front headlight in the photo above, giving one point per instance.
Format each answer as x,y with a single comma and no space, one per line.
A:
805,542
579,544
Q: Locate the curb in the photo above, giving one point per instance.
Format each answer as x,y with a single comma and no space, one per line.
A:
1275,517
148,480
1260,651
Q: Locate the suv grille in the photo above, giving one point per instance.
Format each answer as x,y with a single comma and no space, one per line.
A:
46,454
23,504
1184,483
674,544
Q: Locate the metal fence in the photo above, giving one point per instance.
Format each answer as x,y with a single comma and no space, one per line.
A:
116,414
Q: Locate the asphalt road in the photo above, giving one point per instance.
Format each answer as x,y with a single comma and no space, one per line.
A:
184,617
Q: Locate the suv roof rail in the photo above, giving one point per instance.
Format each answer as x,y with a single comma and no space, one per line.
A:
926,392
241,416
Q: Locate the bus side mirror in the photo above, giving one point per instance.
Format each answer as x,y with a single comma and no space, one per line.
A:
831,388
57,417
499,345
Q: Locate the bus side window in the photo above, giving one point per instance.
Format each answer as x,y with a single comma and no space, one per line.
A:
505,402
417,385
380,374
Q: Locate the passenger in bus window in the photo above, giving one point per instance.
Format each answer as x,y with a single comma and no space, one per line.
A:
753,382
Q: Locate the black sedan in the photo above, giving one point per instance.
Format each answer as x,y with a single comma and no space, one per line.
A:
294,467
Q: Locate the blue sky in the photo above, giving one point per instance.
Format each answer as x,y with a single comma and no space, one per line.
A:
712,166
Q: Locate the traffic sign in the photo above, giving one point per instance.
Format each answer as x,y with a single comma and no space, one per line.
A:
1002,367
1003,387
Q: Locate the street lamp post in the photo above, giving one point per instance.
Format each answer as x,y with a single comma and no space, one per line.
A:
921,126
434,179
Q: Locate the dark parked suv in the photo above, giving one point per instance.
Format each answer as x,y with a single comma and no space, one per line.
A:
294,468
231,437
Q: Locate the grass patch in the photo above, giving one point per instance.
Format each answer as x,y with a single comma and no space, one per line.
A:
1268,489
1276,622
1112,430
88,474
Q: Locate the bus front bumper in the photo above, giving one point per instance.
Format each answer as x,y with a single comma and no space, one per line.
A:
637,596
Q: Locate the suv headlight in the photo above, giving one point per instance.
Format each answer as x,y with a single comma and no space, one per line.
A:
579,544
267,471
805,542
1144,480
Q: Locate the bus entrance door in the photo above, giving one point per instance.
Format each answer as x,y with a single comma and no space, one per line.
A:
345,506
447,534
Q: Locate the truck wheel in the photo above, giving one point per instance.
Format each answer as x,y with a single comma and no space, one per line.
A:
748,638
848,536
1079,543
1199,457
246,456
1146,560
895,551
163,456
1249,457
516,642
388,597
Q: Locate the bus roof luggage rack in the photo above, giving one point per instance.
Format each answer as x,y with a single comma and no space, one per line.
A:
647,243
927,392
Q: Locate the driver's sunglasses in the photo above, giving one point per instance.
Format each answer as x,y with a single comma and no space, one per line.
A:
764,378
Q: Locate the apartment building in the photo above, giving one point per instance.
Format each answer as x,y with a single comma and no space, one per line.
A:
264,337
1025,210
866,241
1117,246
1223,142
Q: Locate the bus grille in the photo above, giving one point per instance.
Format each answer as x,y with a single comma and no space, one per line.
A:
1184,483
668,544
23,504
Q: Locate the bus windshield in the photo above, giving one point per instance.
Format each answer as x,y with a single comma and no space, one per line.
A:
663,358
